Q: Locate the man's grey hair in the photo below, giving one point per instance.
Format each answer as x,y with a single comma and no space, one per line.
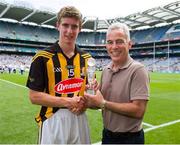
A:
120,26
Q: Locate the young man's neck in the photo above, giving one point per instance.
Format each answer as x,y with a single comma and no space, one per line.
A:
68,49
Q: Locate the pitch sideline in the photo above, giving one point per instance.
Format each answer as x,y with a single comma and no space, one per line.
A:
12,83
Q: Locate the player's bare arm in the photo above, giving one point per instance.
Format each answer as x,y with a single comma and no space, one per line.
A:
44,99
135,108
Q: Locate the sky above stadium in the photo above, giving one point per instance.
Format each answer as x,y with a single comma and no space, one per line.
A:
99,8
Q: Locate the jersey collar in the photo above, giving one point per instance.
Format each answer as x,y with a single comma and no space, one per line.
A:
126,65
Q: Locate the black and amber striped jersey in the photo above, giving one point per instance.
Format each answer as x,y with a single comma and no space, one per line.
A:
53,72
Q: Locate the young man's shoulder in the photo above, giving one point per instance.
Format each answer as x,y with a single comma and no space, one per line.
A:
43,54
83,53
52,48
47,52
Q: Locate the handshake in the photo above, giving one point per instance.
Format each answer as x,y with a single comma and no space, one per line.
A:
78,104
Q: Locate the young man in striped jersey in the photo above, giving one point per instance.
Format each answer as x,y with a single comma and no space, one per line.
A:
57,80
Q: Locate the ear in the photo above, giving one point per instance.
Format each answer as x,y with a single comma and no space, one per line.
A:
130,43
57,26
79,29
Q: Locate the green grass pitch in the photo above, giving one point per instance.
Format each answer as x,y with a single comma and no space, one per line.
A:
161,121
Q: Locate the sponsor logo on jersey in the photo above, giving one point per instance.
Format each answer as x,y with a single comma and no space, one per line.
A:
57,69
69,86
31,79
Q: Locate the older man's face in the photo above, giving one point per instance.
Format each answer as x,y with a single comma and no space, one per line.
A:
117,45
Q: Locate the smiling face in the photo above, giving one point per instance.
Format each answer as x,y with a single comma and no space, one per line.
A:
69,29
117,46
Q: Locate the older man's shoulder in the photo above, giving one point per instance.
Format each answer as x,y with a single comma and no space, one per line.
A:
137,64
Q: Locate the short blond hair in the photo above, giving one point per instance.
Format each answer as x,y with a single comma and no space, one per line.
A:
69,12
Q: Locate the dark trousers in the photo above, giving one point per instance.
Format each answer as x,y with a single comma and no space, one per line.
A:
110,137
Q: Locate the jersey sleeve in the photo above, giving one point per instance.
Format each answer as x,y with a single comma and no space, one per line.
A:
36,78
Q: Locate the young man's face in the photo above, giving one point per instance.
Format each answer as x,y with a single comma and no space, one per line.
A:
117,46
69,29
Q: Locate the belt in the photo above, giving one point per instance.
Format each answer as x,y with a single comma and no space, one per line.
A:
118,134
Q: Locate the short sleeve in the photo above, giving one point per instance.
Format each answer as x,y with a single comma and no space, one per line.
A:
140,85
36,78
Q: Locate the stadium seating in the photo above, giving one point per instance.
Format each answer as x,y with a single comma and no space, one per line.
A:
18,38
36,33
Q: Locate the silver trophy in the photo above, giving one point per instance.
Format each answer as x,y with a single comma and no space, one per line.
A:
91,74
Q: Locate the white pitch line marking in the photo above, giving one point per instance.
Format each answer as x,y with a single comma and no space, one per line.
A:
12,83
97,143
147,124
152,128
162,125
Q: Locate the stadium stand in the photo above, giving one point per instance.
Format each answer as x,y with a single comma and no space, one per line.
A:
158,47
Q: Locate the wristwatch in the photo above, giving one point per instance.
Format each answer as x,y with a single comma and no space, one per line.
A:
102,105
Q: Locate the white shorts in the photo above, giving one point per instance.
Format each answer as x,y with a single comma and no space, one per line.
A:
64,127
